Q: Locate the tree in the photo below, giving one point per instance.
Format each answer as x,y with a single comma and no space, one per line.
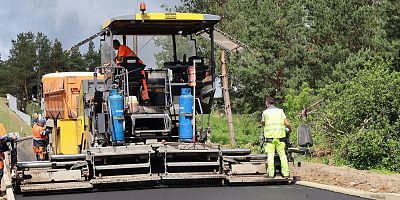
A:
361,116
392,12
92,59
21,67
334,38
75,61
57,56
43,49
328,47
184,46
4,74
296,41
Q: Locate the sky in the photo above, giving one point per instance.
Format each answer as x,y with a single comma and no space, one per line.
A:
70,21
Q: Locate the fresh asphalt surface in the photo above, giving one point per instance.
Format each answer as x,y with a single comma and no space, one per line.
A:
268,192
280,192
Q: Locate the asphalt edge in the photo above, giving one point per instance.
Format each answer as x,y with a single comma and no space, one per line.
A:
7,178
353,192
24,138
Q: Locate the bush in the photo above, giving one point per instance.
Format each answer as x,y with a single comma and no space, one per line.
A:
365,150
361,117
33,107
295,102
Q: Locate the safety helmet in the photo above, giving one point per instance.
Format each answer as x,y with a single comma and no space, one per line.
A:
42,120
3,131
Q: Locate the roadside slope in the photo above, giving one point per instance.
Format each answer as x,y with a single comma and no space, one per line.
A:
11,120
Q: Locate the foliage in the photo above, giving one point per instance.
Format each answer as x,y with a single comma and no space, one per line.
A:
345,52
75,61
32,108
57,56
91,58
43,54
21,63
299,101
362,116
32,56
185,47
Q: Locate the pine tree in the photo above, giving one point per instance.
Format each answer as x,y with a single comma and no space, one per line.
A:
92,58
43,49
21,65
57,56
74,61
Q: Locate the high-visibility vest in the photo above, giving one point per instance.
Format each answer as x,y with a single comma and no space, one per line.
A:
3,131
38,132
1,161
274,123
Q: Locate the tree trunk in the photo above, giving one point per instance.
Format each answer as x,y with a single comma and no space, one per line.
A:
227,100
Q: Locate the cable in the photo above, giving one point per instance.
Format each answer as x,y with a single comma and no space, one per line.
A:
146,44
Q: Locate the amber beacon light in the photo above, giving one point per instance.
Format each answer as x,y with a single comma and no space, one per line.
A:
142,7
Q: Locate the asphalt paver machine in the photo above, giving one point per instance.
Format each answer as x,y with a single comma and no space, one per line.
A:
104,134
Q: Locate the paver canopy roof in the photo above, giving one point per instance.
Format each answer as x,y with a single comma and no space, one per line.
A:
160,23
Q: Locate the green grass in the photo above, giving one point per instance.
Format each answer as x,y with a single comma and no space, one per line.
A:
383,171
246,130
11,120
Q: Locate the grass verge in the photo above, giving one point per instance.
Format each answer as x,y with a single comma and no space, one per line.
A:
11,120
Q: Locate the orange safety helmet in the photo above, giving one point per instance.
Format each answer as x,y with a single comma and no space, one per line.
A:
3,131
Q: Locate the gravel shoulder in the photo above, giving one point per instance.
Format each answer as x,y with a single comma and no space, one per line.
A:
348,178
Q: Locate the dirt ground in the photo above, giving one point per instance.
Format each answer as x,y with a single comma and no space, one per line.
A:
348,177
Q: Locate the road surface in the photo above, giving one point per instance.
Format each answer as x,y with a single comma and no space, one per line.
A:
269,192
280,192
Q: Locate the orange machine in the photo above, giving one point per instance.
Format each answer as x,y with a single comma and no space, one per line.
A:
61,93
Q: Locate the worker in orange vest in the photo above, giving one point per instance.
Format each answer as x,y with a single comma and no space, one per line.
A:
39,134
125,51
4,138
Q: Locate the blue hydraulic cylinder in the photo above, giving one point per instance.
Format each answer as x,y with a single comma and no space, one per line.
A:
116,103
185,115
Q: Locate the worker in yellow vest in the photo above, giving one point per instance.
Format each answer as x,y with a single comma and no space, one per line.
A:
274,121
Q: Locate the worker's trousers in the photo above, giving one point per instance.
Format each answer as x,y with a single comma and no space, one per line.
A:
144,94
270,148
39,153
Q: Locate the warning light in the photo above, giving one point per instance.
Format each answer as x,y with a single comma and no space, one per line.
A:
142,7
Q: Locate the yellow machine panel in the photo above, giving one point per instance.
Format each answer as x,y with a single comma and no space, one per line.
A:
66,137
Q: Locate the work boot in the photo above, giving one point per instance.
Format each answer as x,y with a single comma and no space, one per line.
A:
269,176
286,176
